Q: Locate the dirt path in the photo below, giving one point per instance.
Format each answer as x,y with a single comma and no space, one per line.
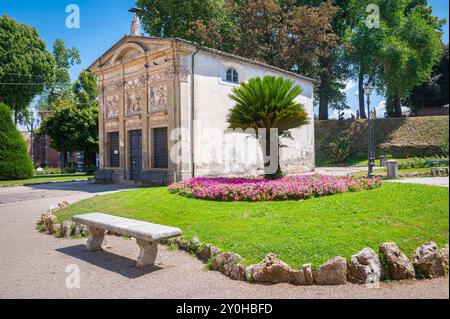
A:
34,265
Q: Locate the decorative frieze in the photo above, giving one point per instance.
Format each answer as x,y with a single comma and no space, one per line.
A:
135,83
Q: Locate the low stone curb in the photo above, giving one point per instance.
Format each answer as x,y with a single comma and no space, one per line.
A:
365,267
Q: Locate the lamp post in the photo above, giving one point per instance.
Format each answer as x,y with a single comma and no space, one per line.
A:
371,148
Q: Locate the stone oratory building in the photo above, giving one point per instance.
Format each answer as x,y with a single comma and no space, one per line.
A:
164,102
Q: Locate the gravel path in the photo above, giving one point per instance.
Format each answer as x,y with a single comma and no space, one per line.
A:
34,265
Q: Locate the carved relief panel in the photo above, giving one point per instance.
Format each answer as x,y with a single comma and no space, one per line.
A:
133,95
112,100
158,98
112,106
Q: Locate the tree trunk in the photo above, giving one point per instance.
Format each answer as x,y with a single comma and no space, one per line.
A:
362,107
397,106
323,108
269,174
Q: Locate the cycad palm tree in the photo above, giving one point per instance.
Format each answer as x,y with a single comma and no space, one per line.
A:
267,103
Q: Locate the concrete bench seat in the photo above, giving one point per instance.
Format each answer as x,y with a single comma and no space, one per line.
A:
147,235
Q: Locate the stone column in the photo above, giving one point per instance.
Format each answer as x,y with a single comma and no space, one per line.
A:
392,169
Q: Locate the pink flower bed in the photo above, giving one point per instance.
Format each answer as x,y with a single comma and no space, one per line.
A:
287,188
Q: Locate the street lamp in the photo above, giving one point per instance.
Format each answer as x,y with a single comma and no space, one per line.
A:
371,147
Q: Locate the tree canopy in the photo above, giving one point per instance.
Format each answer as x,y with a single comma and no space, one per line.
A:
267,103
73,125
25,66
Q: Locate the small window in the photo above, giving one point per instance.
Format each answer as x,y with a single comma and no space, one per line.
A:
232,76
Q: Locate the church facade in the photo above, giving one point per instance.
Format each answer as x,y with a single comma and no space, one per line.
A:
163,105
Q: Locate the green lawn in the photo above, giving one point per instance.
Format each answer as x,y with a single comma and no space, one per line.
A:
383,171
312,231
45,179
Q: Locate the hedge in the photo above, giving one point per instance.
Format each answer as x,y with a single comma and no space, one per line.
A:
15,163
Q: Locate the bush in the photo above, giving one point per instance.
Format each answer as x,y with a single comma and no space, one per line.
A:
90,169
50,171
423,162
70,168
15,163
340,150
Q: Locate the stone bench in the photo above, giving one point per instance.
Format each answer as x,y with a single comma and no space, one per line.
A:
103,176
147,235
153,178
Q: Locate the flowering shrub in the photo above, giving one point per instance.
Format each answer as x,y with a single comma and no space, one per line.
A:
287,188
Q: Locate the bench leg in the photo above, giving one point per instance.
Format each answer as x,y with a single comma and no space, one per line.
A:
96,238
148,250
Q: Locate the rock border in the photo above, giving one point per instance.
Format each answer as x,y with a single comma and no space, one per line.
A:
365,267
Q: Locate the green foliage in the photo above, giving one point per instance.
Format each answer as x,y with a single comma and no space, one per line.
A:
433,92
175,18
73,126
267,103
15,163
398,55
423,162
60,88
25,64
340,150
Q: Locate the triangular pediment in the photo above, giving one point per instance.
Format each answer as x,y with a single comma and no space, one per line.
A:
129,48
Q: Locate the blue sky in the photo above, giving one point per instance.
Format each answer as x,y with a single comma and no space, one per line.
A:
102,23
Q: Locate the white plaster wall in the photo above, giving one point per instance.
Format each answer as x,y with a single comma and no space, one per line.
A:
214,151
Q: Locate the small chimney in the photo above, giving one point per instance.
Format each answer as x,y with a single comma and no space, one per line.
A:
136,23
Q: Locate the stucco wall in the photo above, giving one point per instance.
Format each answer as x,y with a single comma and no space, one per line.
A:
213,149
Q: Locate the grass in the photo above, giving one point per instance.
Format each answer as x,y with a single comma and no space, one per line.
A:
383,171
45,179
358,162
310,231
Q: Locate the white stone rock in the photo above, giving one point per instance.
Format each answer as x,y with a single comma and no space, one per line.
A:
365,267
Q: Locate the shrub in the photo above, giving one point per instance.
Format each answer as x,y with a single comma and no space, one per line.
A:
15,163
70,168
50,171
90,169
340,150
423,162
286,188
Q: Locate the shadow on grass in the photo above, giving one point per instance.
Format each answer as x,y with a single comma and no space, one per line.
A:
121,265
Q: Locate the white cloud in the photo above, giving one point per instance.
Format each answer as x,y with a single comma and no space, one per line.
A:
381,109
350,84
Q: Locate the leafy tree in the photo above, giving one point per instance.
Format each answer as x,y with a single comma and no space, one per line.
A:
175,18
60,87
434,92
398,55
267,103
15,163
73,126
25,66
